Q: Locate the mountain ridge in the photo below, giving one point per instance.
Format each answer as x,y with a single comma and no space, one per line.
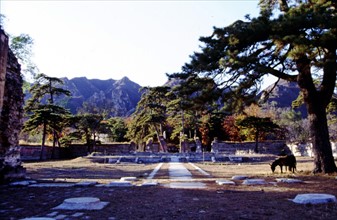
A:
283,95
116,97
119,98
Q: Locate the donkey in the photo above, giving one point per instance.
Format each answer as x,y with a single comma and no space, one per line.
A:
287,161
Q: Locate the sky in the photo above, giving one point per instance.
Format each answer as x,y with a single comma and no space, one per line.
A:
110,39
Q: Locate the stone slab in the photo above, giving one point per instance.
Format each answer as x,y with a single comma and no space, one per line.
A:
62,216
77,214
52,214
150,183
178,171
52,185
186,185
288,180
82,203
225,182
239,177
23,183
254,182
129,178
119,184
314,198
38,218
86,183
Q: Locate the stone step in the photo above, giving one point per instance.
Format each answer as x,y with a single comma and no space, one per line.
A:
314,198
82,203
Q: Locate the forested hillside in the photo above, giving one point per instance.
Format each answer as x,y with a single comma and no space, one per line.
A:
113,97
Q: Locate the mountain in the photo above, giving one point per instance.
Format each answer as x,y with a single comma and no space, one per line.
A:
283,95
117,97
120,97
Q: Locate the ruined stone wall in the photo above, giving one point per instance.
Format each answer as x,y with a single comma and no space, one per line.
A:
305,149
32,152
11,113
267,147
3,65
107,149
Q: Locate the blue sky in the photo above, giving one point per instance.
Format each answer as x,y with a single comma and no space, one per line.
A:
142,40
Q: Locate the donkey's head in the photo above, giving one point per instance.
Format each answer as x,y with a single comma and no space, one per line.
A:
273,166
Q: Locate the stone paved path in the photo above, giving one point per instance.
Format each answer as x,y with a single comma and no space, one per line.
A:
181,177
177,171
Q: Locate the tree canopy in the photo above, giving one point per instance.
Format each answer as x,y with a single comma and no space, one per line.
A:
258,125
292,40
150,116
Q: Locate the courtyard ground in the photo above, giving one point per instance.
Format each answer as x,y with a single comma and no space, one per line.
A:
239,201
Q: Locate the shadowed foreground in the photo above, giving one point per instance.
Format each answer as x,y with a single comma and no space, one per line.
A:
270,201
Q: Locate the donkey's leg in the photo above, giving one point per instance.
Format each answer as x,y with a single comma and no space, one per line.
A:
293,168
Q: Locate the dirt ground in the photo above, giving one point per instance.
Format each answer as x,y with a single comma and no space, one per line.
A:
271,201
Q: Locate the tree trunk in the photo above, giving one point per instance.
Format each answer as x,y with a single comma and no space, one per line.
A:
182,122
54,144
317,99
256,150
87,139
324,160
94,143
43,140
161,141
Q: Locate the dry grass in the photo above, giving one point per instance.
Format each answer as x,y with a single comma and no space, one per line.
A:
238,201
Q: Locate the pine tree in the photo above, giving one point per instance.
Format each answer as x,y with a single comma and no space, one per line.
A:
42,111
150,115
295,42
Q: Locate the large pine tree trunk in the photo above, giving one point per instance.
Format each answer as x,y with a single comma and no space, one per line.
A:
317,97
324,160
